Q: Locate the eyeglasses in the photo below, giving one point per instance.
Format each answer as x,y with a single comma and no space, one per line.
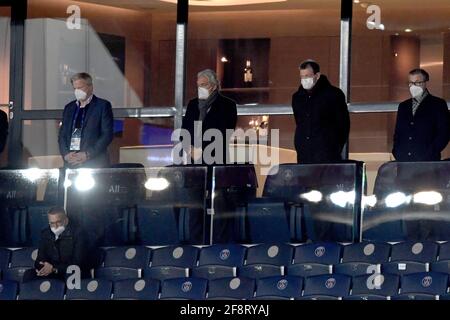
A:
416,83
56,223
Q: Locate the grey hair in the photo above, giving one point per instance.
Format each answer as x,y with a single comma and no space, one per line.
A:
210,75
82,76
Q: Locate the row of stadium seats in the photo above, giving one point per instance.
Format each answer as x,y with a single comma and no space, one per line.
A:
417,286
259,261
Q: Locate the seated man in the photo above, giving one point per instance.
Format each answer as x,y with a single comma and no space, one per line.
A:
62,244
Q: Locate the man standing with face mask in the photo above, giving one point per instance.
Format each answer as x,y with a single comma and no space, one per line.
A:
321,116
213,111
422,129
87,127
62,244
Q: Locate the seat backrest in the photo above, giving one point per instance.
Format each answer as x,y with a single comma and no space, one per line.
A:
232,255
425,251
127,257
335,285
319,252
275,254
5,255
370,252
37,221
8,290
287,287
157,224
432,283
91,289
45,289
184,288
139,289
381,284
175,256
237,288
444,251
24,257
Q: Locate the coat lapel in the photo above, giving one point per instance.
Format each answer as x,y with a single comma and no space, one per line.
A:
90,110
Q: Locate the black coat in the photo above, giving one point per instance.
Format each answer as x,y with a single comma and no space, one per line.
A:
70,249
222,116
323,123
96,134
421,137
3,130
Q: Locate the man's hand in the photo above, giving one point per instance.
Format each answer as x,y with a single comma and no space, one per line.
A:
45,270
80,158
70,157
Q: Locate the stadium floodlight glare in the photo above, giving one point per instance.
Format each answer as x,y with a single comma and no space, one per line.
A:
312,196
33,174
156,184
342,198
396,199
84,181
428,197
369,201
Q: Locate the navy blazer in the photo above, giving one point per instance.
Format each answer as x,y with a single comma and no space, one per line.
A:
421,137
96,134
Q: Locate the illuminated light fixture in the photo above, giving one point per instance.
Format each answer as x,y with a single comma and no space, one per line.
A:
356,1
224,59
396,199
428,197
67,184
342,198
156,184
369,201
84,181
219,3
54,173
312,196
396,54
381,26
408,30
32,174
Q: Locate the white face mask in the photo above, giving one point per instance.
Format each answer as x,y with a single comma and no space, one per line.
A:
80,95
308,83
58,231
415,91
203,93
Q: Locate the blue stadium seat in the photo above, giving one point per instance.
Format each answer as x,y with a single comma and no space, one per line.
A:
357,257
21,261
443,265
279,288
326,287
231,289
411,257
157,224
91,289
8,290
422,286
123,263
374,287
37,221
136,289
184,289
219,261
5,255
266,260
172,262
267,221
45,289
315,259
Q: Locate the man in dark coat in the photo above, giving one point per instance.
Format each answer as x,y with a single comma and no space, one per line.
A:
87,127
213,111
321,115
423,127
62,244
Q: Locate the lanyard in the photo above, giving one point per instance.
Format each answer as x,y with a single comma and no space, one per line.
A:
76,117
